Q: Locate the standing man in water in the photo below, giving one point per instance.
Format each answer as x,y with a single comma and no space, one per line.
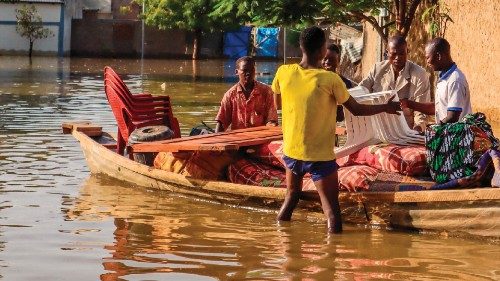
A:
452,90
309,96
407,78
249,103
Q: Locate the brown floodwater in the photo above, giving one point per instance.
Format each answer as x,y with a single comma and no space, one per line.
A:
57,222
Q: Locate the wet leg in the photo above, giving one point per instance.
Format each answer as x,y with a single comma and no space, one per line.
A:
293,189
328,190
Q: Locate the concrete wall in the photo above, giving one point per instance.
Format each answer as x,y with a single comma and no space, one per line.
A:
59,43
69,12
475,47
12,42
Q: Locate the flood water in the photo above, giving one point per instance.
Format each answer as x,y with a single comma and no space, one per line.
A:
57,222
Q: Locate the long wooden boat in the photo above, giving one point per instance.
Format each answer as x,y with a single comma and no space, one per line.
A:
466,212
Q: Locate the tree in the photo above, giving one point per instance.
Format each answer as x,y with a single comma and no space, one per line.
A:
291,13
437,18
29,25
301,12
193,15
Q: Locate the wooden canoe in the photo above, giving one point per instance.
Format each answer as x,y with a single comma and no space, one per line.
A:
466,213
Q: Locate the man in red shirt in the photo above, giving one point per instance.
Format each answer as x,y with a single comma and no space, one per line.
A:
249,103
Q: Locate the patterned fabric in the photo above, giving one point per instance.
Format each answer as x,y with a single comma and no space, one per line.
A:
453,150
269,153
351,178
407,160
478,178
250,172
239,113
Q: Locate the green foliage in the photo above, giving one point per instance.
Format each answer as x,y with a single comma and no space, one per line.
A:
437,18
298,13
125,9
185,14
29,24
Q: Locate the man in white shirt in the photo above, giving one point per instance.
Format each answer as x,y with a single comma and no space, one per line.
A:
452,100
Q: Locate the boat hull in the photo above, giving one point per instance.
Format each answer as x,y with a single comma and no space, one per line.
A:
466,212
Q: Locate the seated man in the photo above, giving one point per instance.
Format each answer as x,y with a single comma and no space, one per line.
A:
331,62
249,103
407,78
452,91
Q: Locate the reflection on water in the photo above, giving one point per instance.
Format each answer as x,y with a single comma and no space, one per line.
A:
57,223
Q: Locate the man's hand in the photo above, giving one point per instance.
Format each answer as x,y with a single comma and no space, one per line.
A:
392,107
272,124
418,129
404,103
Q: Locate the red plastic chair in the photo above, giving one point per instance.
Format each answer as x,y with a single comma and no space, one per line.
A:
140,108
141,103
110,74
128,121
153,110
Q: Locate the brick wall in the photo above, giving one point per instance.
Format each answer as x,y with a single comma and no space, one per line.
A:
122,38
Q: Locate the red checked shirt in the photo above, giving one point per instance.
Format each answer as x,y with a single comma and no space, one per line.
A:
239,113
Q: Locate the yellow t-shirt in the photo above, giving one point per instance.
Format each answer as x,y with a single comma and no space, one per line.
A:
309,110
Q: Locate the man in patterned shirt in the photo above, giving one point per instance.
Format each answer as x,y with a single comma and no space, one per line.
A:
247,104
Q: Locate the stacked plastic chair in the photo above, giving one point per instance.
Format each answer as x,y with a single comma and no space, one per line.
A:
363,131
136,111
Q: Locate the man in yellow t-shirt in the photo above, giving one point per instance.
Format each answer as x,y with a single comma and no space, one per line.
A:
309,97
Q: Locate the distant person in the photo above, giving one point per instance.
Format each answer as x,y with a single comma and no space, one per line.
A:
452,100
407,78
248,103
331,62
309,96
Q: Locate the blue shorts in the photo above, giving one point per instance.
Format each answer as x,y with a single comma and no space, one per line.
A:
317,169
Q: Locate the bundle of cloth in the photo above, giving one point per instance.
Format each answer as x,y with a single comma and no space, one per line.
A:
463,154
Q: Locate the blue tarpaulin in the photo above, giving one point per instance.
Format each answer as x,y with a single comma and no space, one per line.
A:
236,42
266,42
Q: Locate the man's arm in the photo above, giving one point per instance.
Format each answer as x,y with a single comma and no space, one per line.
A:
225,113
424,107
422,94
369,81
219,128
277,101
451,117
272,114
456,102
359,109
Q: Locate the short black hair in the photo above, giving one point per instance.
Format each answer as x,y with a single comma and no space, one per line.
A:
312,39
334,48
439,45
248,59
397,40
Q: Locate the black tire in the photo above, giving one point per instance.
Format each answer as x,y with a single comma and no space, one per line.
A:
150,133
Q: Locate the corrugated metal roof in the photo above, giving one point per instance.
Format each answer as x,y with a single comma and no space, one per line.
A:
33,1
